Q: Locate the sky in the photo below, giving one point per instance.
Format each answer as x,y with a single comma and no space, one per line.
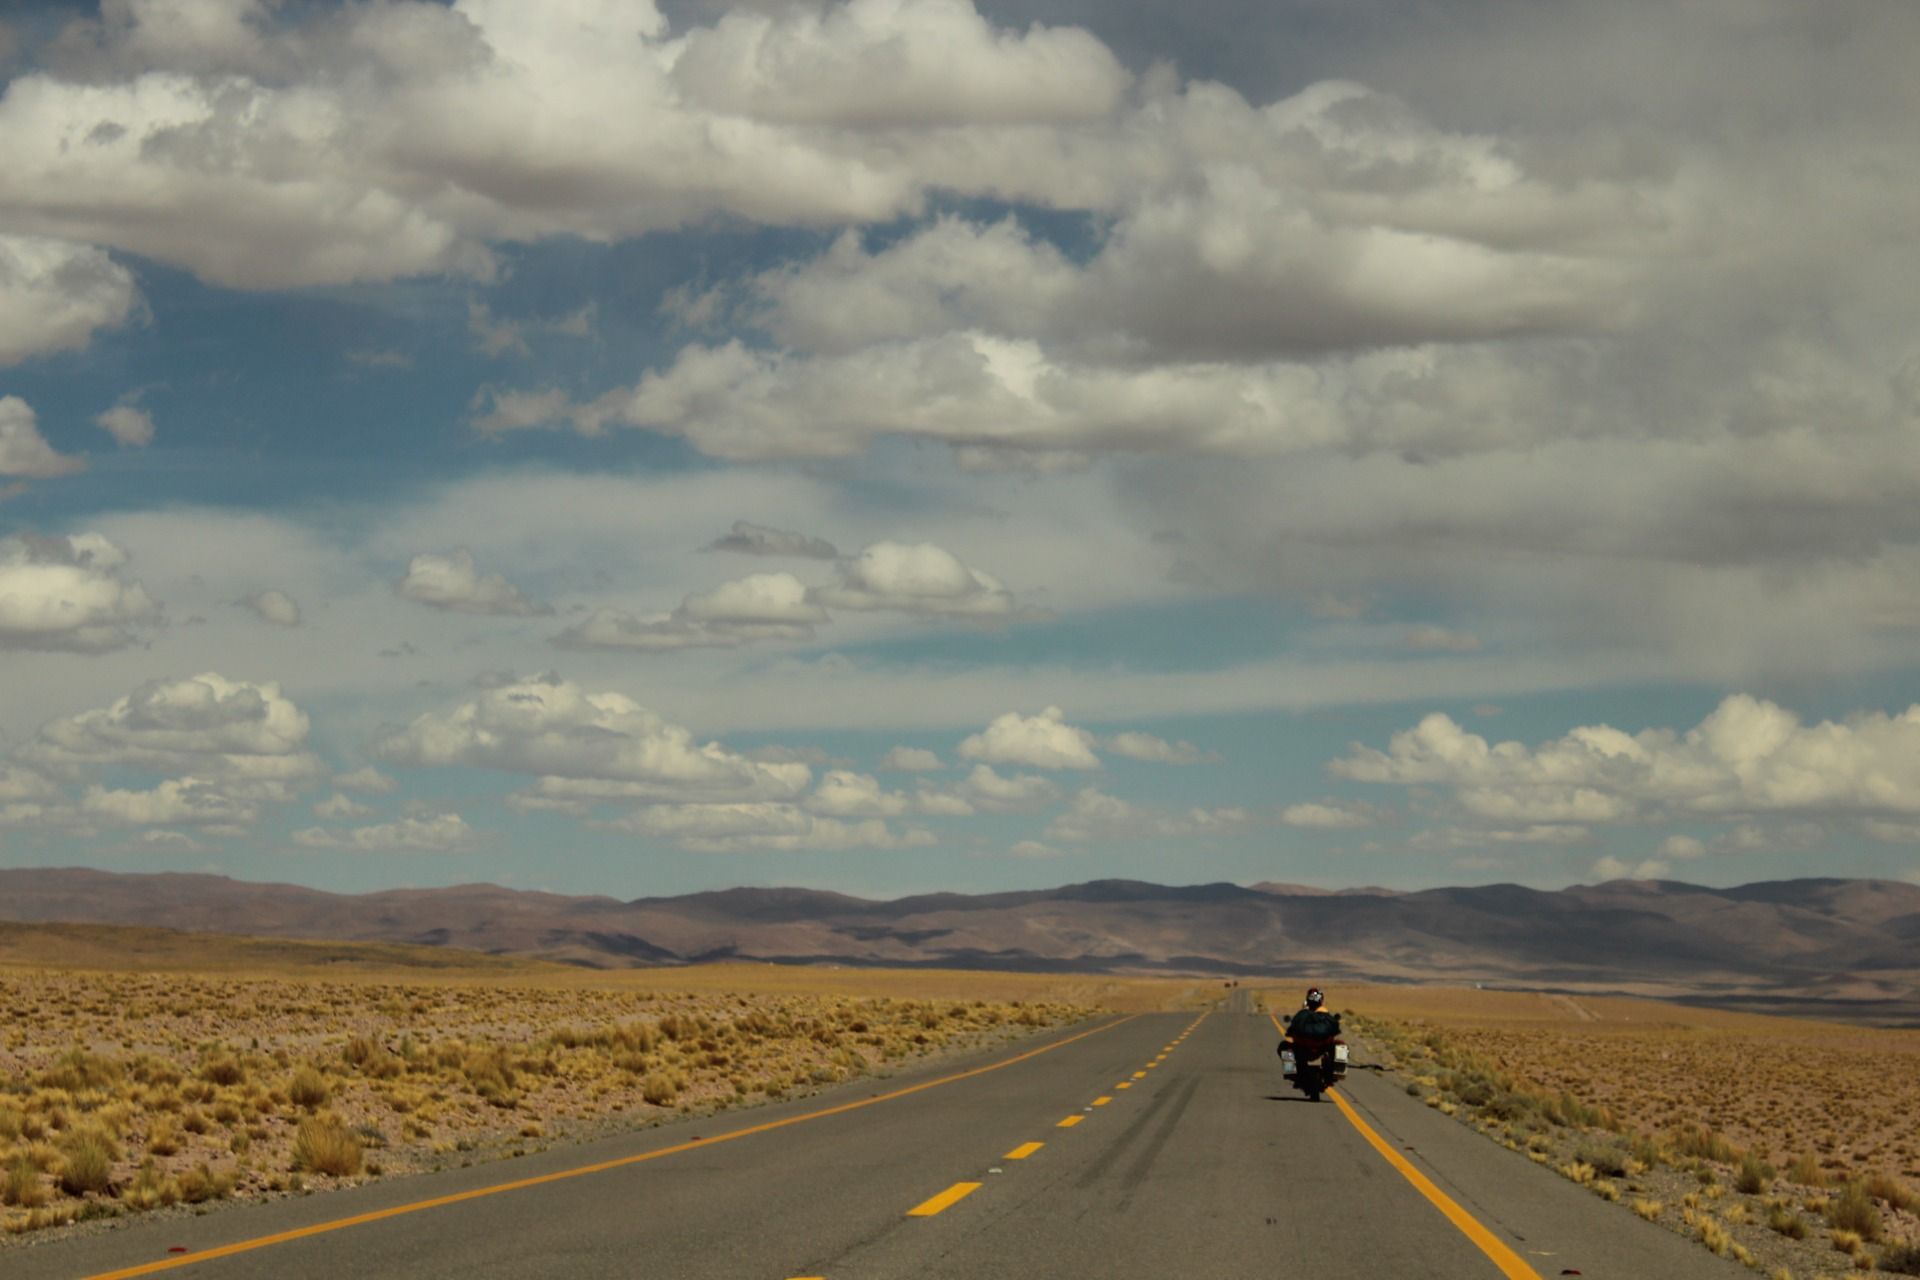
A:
896,445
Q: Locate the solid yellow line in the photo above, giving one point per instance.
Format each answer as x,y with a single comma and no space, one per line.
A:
1511,1264
1022,1151
951,1196
1069,1122
380,1215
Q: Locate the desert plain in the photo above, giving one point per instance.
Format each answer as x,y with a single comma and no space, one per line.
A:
145,1070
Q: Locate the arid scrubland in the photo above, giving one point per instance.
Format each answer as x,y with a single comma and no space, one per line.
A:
125,1091
1787,1144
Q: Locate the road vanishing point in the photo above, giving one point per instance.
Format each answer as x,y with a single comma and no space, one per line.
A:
1152,1146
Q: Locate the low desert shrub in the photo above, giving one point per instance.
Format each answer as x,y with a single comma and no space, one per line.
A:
1896,1193
77,1070
1702,1143
308,1089
1806,1171
224,1069
1609,1160
1853,1210
89,1163
1782,1218
22,1187
201,1183
324,1145
1755,1175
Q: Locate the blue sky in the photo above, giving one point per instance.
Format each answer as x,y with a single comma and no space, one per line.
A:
904,444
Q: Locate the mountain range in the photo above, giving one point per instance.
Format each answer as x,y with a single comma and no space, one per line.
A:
1840,948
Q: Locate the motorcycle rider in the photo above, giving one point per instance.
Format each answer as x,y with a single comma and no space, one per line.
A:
1312,1031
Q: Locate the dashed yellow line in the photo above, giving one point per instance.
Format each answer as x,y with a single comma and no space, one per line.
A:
1069,1122
1102,1100
581,1171
1124,1084
1022,1151
946,1199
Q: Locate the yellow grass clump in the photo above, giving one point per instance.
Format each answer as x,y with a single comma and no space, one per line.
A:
324,1144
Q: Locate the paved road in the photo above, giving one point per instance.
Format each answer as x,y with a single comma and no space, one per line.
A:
1155,1146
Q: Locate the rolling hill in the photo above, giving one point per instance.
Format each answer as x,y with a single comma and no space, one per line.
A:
1843,948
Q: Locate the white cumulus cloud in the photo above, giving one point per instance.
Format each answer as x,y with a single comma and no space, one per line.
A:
244,737
841,793
23,450
454,582
275,606
55,295
584,746
1749,757
67,593
214,752
1044,741
129,424
916,578
758,607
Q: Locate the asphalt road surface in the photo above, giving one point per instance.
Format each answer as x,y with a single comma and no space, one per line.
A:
1162,1145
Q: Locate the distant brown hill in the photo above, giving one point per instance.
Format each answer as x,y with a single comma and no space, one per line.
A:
1844,948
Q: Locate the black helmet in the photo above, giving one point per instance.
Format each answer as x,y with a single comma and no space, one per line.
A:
1314,998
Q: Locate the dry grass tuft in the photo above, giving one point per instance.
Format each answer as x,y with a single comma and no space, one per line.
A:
1853,1212
325,1145
87,1163
308,1089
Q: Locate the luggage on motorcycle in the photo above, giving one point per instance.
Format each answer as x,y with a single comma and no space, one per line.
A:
1315,1024
1286,1062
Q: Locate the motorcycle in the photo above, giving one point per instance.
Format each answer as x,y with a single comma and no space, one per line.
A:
1314,1063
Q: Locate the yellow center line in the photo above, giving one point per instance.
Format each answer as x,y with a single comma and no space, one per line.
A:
1124,1084
1069,1122
1139,1075
1511,1264
581,1171
1022,1151
1102,1100
951,1196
